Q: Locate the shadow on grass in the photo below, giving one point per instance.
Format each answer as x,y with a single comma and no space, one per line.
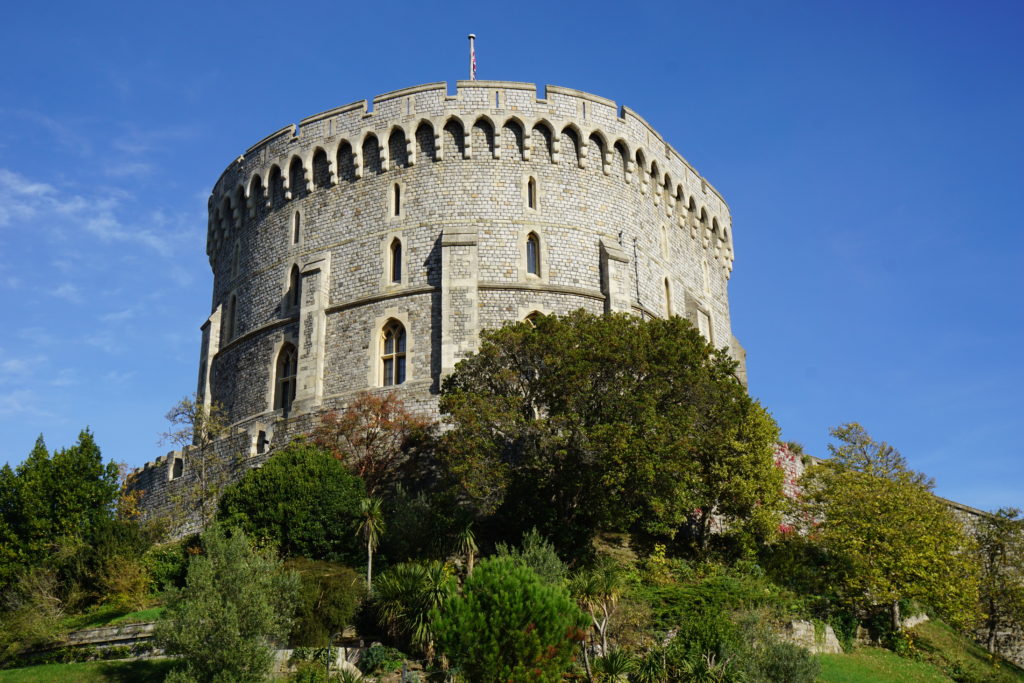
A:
137,671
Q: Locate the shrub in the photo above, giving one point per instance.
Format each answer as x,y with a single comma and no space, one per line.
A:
405,597
236,600
303,501
539,555
509,625
782,662
329,595
380,659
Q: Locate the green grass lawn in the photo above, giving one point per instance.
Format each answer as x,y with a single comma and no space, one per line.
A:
91,672
938,643
939,652
875,665
106,616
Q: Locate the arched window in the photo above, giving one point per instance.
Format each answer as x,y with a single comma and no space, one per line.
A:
532,318
396,260
393,354
531,193
236,258
229,319
533,254
295,288
396,202
287,367
296,228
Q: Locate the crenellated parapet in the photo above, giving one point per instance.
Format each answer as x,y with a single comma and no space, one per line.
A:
482,120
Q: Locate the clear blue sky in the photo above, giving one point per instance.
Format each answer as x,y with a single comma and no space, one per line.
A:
871,153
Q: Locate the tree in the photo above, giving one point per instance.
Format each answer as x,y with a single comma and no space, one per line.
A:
406,596
509,625
610,422
63,501
374,436
888,537
1000,539
302,500
194,427
598,591
371,527
329,596
236,602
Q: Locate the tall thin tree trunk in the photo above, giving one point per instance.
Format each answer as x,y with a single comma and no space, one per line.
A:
369,566
469,563
990,642
586,660
897,624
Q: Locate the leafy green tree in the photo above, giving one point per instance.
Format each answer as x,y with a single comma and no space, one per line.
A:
53,506
405,598
508,625
1000,539
236,602
888,537
610,422
371,528
302,500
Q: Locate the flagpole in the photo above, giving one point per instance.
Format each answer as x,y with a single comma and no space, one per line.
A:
472,57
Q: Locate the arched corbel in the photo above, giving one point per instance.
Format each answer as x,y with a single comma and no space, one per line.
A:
527,140
556,145
410,148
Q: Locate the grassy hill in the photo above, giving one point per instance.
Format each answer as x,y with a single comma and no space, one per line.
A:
935,652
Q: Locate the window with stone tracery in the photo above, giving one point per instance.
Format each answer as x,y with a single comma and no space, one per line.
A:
393,345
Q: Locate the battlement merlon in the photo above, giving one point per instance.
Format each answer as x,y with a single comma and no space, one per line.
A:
432,101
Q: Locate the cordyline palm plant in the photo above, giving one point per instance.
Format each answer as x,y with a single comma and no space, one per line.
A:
597,591
405,596
371,527
466,545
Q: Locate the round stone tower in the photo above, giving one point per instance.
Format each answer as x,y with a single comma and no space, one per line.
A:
367,248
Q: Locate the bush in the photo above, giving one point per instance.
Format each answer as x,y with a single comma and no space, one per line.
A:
509,625
329,595
380,659
539,555
235,602
303,501
167,564
784,663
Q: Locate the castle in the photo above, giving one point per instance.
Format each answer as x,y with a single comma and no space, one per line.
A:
367,248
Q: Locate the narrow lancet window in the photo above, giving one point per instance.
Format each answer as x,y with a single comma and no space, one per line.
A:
296,228
533,254
531,193
397,203
295,288
396,261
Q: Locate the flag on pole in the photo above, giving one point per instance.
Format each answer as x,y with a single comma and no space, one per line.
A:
472,57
